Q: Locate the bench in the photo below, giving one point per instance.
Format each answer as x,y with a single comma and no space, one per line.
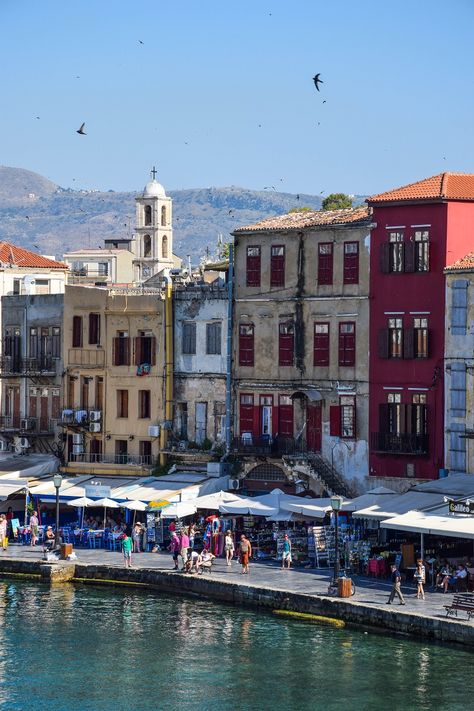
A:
463,602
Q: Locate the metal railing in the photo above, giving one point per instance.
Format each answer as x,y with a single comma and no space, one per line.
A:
26,425
267,446
79,417
386,442
142,460
12,365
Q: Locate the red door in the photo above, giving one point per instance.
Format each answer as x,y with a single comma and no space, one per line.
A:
313,426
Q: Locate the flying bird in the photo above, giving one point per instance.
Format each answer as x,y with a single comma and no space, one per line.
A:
27,218
297,197
140,42
317,81
81,130
324,101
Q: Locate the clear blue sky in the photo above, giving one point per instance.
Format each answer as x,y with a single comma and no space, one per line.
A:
221,93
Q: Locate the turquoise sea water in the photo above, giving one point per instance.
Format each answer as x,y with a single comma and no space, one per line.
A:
69,648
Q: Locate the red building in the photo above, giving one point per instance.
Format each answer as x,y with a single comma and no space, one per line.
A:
418,230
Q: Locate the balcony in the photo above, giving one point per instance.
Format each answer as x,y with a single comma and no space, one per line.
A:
12,366
246,445
137,460
388,443
86,357
78,417
14,424
86,275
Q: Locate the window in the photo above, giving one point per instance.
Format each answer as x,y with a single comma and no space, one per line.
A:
144,451
253,266
347,404
459,307
164,247
396,251
286,343
266,414
94,329
246,413
145,349
147,212
213,338
277,266
163,216
16,286
189,338
347,343
33,342
396,423
395,337
351,262
285,416
219,421
182,419
420,327
422,251
246,344
144,404
56,342
325,263
77,331
42,286
121,451
122,403
85,381
321,344
121,346
102,268
418,417
146,246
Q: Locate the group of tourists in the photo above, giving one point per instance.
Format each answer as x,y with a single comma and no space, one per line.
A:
446,576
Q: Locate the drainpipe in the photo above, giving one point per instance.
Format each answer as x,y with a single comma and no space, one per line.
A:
168,364
228,385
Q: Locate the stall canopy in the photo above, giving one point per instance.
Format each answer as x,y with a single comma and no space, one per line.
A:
213,501
277,506
180,509
8,487
378,496
424,522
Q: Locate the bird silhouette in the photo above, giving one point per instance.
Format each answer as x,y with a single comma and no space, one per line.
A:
81,130
26,217
324,101
297,197
317,81
140,42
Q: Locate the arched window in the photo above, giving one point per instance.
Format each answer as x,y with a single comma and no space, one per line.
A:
147,246
147,214
163,216
164,247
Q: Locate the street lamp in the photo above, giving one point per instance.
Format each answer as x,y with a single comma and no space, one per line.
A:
57,481
336,503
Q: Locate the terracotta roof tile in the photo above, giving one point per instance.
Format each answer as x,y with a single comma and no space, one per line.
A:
20,257
445,186
466,262
317,218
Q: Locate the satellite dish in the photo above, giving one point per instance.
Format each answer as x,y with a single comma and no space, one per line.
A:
29,283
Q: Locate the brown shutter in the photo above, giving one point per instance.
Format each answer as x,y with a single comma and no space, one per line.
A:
126,351
409,256
116,346
153,350
383,342
383,417
404,416
408,343
384,257
125,403
138,350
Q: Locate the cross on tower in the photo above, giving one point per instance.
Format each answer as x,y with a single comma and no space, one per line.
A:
153,173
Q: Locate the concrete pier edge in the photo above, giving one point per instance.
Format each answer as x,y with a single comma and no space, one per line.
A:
354,613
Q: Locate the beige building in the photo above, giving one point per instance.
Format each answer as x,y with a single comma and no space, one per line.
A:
102,267
301,341
113,386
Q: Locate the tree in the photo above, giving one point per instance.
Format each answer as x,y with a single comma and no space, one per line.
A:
300,209
336,201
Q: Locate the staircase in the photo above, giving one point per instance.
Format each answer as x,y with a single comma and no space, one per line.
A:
316,467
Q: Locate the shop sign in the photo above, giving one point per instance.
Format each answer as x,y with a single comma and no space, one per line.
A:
97,491
463,507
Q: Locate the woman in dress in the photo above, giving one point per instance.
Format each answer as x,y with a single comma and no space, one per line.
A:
229,547
420,577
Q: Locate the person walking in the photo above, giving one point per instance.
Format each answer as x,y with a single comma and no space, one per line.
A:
396,586
136,537
175,547
127,550
184,546
34,523
192,535
3,531
420,577
245,551
229,547
286,554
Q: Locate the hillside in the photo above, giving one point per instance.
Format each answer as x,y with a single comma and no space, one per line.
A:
36,213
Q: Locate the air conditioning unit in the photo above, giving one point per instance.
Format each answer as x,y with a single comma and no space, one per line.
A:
77,449
24,443
153,430
94,416
77,439
94,427
234,484
25,424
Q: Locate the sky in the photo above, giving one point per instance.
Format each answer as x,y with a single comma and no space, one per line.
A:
218,93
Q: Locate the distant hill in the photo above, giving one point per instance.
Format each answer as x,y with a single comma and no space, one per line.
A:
36,213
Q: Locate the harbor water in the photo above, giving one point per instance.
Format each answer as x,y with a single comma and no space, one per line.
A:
71,647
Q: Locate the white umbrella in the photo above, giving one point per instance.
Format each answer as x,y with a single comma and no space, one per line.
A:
81,504
107,504
135,506
213,501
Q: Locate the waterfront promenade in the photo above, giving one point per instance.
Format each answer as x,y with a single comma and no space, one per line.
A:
267,585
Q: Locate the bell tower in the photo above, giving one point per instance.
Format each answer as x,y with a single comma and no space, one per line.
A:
153,231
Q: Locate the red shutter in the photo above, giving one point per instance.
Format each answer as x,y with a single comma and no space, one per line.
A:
321,347
351,263
408,343
384,417
383,343
246,344
409,257
325,263
253,266
346,345
286,344
384,257
277,266
335,421
285,420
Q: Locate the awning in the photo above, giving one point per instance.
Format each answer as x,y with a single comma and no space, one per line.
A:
8,487
179,510
391,506
213,501
312,394
422,522
376,497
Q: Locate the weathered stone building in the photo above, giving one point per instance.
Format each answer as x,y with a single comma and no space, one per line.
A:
300,358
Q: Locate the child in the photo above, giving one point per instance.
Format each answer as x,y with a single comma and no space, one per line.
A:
127,550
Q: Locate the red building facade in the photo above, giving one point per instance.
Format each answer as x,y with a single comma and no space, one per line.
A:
417,230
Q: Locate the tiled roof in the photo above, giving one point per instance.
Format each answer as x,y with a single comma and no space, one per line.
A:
445,186
317,218
20,257
466,262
